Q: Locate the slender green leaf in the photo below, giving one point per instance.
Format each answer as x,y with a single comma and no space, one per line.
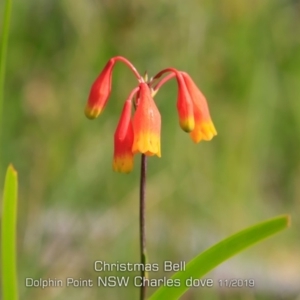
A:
3,49
8,235
219,253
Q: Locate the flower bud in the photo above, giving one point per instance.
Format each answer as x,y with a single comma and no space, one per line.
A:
123,140
100,92
184,106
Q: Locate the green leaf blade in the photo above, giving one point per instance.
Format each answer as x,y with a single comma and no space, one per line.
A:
220,252
9,236
3,49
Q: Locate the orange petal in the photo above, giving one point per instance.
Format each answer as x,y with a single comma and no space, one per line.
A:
146,124
123,139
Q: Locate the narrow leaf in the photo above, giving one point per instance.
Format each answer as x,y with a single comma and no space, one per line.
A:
8,235
3,50
212,257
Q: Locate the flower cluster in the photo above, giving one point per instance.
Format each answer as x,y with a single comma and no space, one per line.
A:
140,133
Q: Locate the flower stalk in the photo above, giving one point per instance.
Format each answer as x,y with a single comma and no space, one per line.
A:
143,253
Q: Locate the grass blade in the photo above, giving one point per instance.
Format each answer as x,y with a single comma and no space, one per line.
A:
3,50
8,235
212,257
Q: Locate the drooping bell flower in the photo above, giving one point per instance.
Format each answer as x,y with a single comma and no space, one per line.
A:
204,127
100,92
123,140
146,124
142,132
184,106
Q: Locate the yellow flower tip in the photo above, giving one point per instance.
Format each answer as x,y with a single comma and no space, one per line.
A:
92,113
123,164
206,131
187,124
147,143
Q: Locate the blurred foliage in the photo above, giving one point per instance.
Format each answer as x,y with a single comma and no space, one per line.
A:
73,210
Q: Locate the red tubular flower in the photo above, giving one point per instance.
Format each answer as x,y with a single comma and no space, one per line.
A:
123,140
146,124
100,91
204,127
184,105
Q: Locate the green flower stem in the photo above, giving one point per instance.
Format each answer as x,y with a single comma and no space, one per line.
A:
142,223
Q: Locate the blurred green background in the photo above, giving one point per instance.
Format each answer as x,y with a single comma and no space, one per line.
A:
73,209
